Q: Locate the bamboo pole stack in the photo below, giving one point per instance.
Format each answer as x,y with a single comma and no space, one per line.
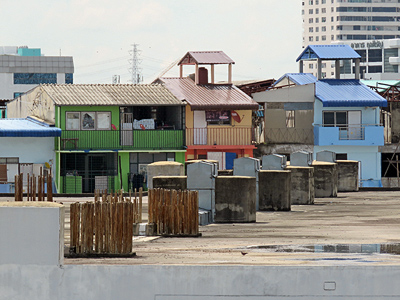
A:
175,213
105,226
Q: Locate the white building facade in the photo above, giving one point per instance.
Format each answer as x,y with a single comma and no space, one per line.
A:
348,21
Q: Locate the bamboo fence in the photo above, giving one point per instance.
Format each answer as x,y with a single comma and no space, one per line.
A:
106,225
34,182
175,213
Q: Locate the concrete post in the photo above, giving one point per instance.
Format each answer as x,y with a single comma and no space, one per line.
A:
235,199
163,168
347,175
274,190
337,69
302,185
325,179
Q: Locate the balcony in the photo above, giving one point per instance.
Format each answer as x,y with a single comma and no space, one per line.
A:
353,135
121,140
219,136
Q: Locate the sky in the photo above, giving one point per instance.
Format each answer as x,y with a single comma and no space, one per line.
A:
263,37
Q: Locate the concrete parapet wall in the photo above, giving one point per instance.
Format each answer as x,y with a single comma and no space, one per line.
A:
235,199
224,282
274,190
225,172
302,185
325,179
31,233
170,182
164,168
347,175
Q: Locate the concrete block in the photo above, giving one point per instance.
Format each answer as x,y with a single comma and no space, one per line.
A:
225,172
301,159
347,175
274,190
325,179
144,229
235,199
170,182
31,233
163,168
327,156
193,161
302,185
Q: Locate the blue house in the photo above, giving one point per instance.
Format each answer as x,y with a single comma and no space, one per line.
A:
339,115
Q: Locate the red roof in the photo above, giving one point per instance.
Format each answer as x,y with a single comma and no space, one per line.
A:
209,96
205,58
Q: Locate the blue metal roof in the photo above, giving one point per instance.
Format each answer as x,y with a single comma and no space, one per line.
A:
298,78
330,52
346,92
27,128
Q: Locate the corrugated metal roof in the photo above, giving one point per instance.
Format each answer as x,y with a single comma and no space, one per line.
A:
205,58
298,78
111,94
202,97
26,128
346,92
332,52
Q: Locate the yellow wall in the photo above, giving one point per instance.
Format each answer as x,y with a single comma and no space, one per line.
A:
245,115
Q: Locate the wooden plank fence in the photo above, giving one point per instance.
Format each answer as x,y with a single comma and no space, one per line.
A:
34,182
175,213
105,225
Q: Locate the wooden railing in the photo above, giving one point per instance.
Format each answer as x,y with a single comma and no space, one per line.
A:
219,136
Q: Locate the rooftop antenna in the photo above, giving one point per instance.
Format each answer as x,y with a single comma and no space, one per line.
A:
136,72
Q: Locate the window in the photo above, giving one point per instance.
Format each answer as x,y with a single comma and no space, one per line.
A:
310,2
17,95
218,117
90,120
335,118
323,74
323,19
375,69
323,1
311,66
69,78
310,29
323,10
316,20
289,118
323,65
317,11
310,11
72,121
323,28
332,37
323,38
310,20
375,55
310,39
316,29
35,78
317,38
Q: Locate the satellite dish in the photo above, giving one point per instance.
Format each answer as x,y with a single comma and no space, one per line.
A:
47,165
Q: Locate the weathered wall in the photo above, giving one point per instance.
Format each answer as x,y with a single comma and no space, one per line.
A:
104,282
347,175
170,182
325,179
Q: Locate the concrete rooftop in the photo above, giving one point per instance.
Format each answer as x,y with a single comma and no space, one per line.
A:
362,218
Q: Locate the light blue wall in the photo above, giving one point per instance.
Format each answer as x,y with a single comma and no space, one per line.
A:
373,136
369,115
368,156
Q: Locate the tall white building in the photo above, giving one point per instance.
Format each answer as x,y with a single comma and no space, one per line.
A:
348,21
23,68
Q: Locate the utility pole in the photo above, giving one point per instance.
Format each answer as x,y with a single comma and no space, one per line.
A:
136,72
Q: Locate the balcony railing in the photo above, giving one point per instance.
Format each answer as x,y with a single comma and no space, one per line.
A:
219,136
354,134
123,139
289,135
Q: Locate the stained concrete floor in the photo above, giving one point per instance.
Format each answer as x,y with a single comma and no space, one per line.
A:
362,220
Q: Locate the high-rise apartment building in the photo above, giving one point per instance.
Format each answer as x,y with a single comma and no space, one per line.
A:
348,21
